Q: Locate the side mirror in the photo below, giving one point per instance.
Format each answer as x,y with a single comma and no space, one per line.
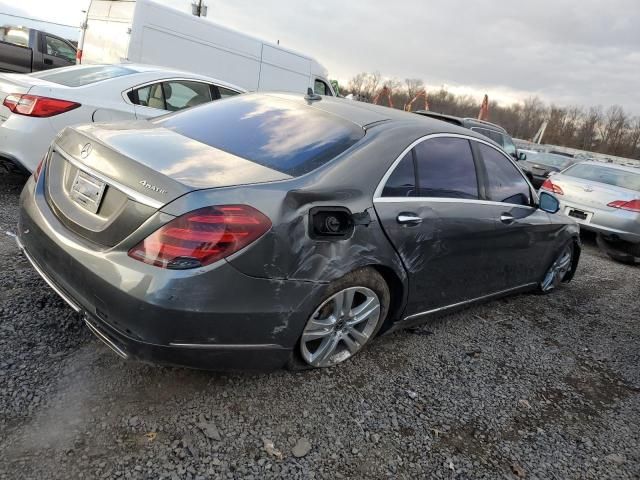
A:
522,156
549,203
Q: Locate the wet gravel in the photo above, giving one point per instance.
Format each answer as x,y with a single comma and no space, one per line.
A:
527,387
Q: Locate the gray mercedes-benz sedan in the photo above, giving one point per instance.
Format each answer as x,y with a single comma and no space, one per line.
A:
274,229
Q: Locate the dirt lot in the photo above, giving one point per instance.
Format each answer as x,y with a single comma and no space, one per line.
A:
530,386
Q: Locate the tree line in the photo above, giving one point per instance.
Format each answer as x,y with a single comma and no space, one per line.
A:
610,131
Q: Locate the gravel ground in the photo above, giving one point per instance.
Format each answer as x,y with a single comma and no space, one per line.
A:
530,386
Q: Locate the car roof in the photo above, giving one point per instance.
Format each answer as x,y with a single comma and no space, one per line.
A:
625,168
141,68
366,115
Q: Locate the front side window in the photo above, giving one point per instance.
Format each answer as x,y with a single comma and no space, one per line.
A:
181,94
446,168
509,146
504,182
402,182
59,48
321,88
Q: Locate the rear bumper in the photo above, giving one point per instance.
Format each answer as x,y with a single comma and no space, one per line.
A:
618,224
216,319
25,140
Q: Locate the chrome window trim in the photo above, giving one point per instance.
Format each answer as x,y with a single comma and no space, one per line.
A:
128,191
465,302
446,200
377,195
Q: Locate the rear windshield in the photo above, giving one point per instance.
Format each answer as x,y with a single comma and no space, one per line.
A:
552,160
78,77
283,135
610,176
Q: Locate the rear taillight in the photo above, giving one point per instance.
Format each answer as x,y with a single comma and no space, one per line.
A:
202,237
552,187
35,106
631,205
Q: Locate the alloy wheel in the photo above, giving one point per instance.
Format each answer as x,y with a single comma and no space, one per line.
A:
340,326
558,270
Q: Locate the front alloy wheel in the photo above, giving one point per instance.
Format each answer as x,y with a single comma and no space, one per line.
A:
558,270
340,326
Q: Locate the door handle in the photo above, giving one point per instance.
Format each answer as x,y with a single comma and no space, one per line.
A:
409,219
48,61
507,218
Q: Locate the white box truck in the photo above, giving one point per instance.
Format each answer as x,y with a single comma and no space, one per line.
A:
144,31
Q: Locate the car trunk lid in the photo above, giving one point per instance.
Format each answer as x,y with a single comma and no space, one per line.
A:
591,194
104,181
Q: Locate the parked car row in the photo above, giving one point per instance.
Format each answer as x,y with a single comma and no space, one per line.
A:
160,200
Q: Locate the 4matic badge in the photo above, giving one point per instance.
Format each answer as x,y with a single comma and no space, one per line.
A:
146,184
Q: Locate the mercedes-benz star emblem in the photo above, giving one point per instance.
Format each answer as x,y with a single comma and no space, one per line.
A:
86,150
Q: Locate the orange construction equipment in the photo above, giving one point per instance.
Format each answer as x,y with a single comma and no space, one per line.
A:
422,94
484,109
386,91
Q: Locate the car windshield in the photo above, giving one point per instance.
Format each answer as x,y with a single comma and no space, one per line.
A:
283,135
552,160
78,77
607,175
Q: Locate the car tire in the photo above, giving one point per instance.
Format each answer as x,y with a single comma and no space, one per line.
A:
559,269
349,315
619,250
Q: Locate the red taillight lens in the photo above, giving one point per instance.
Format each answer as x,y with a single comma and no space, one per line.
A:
631,205
552,187
35,106
202,237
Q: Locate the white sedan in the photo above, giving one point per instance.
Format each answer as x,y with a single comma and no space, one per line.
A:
37,106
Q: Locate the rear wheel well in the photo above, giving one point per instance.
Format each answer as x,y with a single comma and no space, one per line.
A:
396,291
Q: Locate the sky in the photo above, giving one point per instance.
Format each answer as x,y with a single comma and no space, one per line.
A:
584,52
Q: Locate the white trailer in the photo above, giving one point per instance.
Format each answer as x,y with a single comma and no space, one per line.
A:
143,31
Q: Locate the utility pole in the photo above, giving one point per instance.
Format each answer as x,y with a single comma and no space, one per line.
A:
199,9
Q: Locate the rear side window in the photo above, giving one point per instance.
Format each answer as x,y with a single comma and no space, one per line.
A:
151,96
402,182
493,135
607,175
446,168
225,92
504,182
78,77
284,135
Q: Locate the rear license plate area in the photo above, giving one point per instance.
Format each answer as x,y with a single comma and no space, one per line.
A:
87,191
578,214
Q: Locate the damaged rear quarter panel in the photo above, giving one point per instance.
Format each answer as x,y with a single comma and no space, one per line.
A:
287,252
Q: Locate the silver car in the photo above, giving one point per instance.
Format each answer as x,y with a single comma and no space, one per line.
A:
603,198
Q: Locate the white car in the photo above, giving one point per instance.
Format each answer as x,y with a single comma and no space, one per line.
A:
37,106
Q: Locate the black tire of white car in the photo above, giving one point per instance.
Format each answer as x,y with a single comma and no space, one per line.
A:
620,251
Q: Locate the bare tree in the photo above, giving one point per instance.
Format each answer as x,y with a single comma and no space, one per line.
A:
413,87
